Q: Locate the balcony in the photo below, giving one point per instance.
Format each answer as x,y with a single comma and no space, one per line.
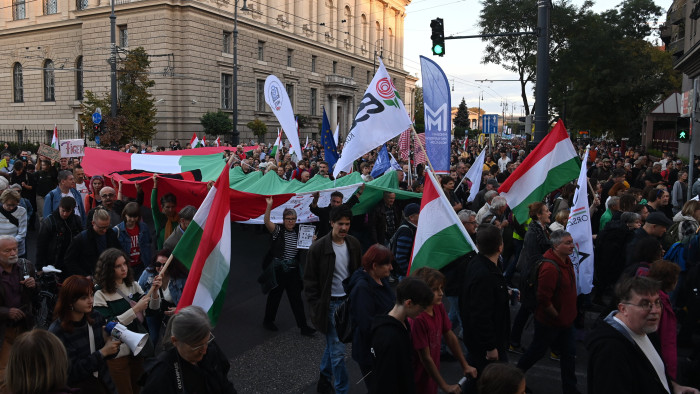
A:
677,47
677,16
665,32
340,80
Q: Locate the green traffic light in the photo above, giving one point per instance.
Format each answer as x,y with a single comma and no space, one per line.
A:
682,135
437,49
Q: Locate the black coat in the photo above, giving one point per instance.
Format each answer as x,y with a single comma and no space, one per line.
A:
82,254
393,352
55,235
213,370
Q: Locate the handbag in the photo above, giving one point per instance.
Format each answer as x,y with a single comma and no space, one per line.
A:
344,326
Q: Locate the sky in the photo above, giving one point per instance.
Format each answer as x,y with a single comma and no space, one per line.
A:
462,60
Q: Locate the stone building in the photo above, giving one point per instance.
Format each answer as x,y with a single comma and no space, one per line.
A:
52,51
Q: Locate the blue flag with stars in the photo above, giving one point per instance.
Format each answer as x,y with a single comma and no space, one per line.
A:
330,151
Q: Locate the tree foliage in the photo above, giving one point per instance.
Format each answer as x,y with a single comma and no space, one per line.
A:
216,123
258,127
461,120
418,112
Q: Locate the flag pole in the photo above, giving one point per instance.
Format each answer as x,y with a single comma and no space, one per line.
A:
415,134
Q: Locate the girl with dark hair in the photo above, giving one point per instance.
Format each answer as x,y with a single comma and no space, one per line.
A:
120,298
134,237
79,327
172,284
93,199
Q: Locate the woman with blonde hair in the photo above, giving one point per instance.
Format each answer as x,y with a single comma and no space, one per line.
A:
38,364
560,219
13,219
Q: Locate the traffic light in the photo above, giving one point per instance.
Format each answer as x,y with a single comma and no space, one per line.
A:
438,36
682,129
96,128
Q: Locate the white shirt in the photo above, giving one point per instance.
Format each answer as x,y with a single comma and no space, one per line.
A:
342,260
82,189
503,164
69,194
648,348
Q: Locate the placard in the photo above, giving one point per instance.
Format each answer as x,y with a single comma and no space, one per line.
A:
72,148
51,153
306,236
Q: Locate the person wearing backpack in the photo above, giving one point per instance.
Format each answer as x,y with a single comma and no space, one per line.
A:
688,220
556,310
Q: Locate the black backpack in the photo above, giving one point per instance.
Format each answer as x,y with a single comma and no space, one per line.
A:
528,293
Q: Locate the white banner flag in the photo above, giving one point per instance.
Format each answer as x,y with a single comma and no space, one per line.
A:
336,133
579,225
276,97
380,117
474,175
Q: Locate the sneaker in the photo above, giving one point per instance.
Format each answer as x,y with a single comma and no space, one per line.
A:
554,356
324,385
517,349
307,331
270,326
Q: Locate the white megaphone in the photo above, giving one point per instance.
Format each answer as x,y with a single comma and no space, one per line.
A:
133,340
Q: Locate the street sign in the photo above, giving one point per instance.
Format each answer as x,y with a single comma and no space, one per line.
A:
96,118
490,124
97,139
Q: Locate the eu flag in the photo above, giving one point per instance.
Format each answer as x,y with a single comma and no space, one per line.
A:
330,151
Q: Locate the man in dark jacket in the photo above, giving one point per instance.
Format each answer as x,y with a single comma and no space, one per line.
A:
384,219
83,252
323,226
56,233
391,339
405,236
624,353
484,303
556,310
330,261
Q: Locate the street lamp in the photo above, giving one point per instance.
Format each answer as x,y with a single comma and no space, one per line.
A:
113,60
235,136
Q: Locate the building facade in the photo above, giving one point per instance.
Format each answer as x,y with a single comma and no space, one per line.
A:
52,51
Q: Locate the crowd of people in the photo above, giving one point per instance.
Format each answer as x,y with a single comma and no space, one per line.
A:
115,269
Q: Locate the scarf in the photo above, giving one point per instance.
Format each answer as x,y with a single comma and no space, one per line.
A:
169,225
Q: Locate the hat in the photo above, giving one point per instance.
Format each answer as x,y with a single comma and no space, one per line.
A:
492,182
606,159
411,209
660,219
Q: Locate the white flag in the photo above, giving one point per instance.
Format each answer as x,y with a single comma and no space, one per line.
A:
336,134
380,117
276,97
579,225
474,175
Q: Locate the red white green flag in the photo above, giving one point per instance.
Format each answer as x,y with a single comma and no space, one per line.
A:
549,166
440,236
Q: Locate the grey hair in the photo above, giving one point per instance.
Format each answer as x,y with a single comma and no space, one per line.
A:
498,202
465,214
289,211
614,200
558,236
190,325
489,195
63,175
7,238
100,214
630,217
187,212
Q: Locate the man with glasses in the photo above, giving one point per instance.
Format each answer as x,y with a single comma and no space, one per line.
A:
556,310
623,357
86,247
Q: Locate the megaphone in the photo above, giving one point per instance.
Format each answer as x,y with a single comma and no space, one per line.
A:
133,340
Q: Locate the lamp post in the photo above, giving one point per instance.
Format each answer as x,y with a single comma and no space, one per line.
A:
113,60
234,134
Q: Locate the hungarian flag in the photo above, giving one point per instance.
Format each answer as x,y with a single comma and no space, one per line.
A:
217,141
276,146
549,166
205,248
203,142
466,144
54,139
440,236
194,141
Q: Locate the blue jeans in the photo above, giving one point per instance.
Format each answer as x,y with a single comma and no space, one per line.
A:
333,360
561,338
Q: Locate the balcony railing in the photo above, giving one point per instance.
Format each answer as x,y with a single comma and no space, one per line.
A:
678,15
677,47
337,79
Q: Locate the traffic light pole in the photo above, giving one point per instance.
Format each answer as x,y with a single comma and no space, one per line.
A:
542,73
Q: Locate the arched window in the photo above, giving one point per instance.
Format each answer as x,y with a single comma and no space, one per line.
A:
379,44
348,21
17,83
79,78
389,46
49,81
365,29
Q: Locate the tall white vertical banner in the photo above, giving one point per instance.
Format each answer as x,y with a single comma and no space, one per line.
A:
276,97
579,225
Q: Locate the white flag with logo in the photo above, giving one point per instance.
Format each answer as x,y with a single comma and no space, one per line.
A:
474,174
276,97
579,226
380,117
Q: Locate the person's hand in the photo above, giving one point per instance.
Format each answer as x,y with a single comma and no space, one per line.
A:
157,282
504,224
210,184
492,355
315,195
170,311
471,371
138,187
141,305
360,190
16,314
155,181
452,389
111,347
458,207
28,283
269,201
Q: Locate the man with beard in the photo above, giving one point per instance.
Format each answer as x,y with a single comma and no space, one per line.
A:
626,338
16,293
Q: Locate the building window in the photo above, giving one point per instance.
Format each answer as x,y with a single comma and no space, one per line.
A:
19,9
314,101
290,92
79,78
367,78
290,55
352,71
226,91
123,36
313,63
335,67
18,84
260,95
49,81
226,44
81,4
50,7
261,51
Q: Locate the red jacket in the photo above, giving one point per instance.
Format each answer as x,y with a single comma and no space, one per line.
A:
561,295
667,335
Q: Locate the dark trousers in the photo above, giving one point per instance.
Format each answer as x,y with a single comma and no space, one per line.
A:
477,359
519,324
561,338
291,282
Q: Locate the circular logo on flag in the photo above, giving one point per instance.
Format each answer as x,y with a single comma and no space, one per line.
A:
276,96
385,89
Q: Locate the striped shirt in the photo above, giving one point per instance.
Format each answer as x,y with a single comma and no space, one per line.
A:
290,242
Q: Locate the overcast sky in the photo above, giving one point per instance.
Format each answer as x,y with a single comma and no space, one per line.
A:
462,60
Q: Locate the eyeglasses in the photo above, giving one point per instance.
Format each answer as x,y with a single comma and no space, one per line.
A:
647,305
200,347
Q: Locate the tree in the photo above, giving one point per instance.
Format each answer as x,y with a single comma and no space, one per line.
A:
216,123
461,120
136,113
418,113
259,128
